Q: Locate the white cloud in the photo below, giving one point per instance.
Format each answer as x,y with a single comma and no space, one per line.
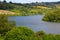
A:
26,1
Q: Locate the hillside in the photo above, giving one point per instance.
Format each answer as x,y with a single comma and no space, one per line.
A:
13,7
28,8
58,5
48,4
20,9
42,7
6,12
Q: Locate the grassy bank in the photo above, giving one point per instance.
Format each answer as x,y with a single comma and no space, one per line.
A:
52,16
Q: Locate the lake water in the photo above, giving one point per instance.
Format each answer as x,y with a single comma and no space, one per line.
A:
36,23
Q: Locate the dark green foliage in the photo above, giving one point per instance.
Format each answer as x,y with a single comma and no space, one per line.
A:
21,33
1,37
24,33
41,33
47,4
6,6
49,37
10,2
52,16
57,37
4,1
12,23
45,36
4,24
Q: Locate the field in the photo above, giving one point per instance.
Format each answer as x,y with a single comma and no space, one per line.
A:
6,12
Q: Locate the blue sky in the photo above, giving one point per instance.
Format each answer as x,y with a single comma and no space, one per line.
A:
28,1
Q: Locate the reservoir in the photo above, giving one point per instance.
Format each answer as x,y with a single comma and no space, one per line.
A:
36,24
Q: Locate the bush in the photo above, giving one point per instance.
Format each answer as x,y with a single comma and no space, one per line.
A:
6,6
1,38
49,37
52,16
41,33
21,33
57,37
4,24
12,23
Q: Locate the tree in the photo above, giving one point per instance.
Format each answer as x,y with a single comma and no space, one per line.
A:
10,2
4,1
5,26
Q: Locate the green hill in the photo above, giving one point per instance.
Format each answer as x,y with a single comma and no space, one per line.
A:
21,9
26,10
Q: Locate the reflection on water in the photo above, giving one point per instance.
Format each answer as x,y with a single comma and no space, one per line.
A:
36,23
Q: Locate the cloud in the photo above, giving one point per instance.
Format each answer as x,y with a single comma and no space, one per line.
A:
28,1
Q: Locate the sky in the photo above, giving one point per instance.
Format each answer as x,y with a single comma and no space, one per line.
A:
29,1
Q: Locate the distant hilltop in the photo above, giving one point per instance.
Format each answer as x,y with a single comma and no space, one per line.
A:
27,9
48,4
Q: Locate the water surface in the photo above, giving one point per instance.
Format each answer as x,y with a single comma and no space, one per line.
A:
36,23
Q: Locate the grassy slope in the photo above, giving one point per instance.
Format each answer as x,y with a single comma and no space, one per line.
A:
22,10
58,5
43,7
6,12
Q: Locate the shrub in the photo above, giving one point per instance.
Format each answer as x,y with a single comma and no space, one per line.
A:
21,33
52,16
41,32
4,25
49,37
57,37
1,38
12,23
